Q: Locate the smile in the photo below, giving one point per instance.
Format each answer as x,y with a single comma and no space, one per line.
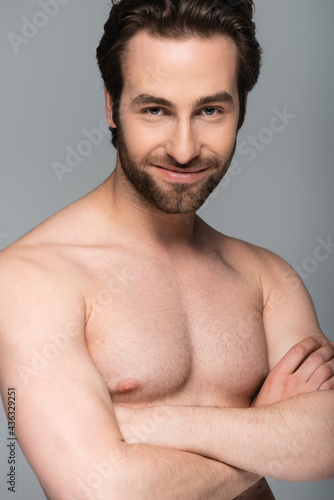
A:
171,174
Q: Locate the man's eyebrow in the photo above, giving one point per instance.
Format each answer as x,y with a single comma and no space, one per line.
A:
221,97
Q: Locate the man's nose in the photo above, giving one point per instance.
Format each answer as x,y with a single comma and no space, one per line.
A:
183,144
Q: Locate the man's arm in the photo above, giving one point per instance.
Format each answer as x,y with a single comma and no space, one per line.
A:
286,441
289,440
65,422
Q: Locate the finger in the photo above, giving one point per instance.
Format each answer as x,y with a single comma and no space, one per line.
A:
324,373
297,354
315,360
328,385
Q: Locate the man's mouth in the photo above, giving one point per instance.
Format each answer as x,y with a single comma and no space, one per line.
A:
182,170
179,174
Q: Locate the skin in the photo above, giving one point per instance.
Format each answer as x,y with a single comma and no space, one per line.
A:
114,304
296,386
187,140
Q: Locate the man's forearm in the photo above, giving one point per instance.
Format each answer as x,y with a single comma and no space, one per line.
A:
292,440
149,472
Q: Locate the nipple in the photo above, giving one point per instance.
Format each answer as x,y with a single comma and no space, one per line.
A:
126,385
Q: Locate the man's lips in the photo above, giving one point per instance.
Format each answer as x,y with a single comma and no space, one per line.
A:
185,176
182,170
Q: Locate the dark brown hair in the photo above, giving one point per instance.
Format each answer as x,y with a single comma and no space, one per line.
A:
178,19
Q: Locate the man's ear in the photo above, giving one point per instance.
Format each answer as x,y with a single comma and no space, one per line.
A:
109,108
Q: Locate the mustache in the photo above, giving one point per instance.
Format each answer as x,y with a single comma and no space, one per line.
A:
195,163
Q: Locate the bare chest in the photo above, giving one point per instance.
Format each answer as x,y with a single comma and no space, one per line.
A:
190,336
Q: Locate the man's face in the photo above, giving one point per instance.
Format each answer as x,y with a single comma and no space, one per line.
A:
178,119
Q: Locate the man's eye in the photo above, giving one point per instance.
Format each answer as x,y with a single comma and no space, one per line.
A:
211,111
153,111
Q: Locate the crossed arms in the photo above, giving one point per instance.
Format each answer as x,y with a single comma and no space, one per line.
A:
67,427
289,438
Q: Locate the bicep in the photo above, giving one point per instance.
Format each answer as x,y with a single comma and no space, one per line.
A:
289,315
64,419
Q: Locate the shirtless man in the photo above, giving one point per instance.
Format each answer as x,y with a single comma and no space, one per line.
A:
127,322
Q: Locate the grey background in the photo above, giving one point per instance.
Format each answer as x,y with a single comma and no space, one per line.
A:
282,199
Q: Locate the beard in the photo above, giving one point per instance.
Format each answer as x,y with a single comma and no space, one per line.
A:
178,198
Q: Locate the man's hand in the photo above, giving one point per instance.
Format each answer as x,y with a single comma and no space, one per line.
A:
307,367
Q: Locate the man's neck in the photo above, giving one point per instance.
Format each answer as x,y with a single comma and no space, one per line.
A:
144,222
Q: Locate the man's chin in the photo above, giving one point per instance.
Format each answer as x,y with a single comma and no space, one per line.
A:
172,198
178,206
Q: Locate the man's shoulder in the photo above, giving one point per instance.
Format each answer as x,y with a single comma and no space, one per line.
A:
38,253
243,252
43,258
35,289
253,259
30,272
253,254
54,243
57,260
